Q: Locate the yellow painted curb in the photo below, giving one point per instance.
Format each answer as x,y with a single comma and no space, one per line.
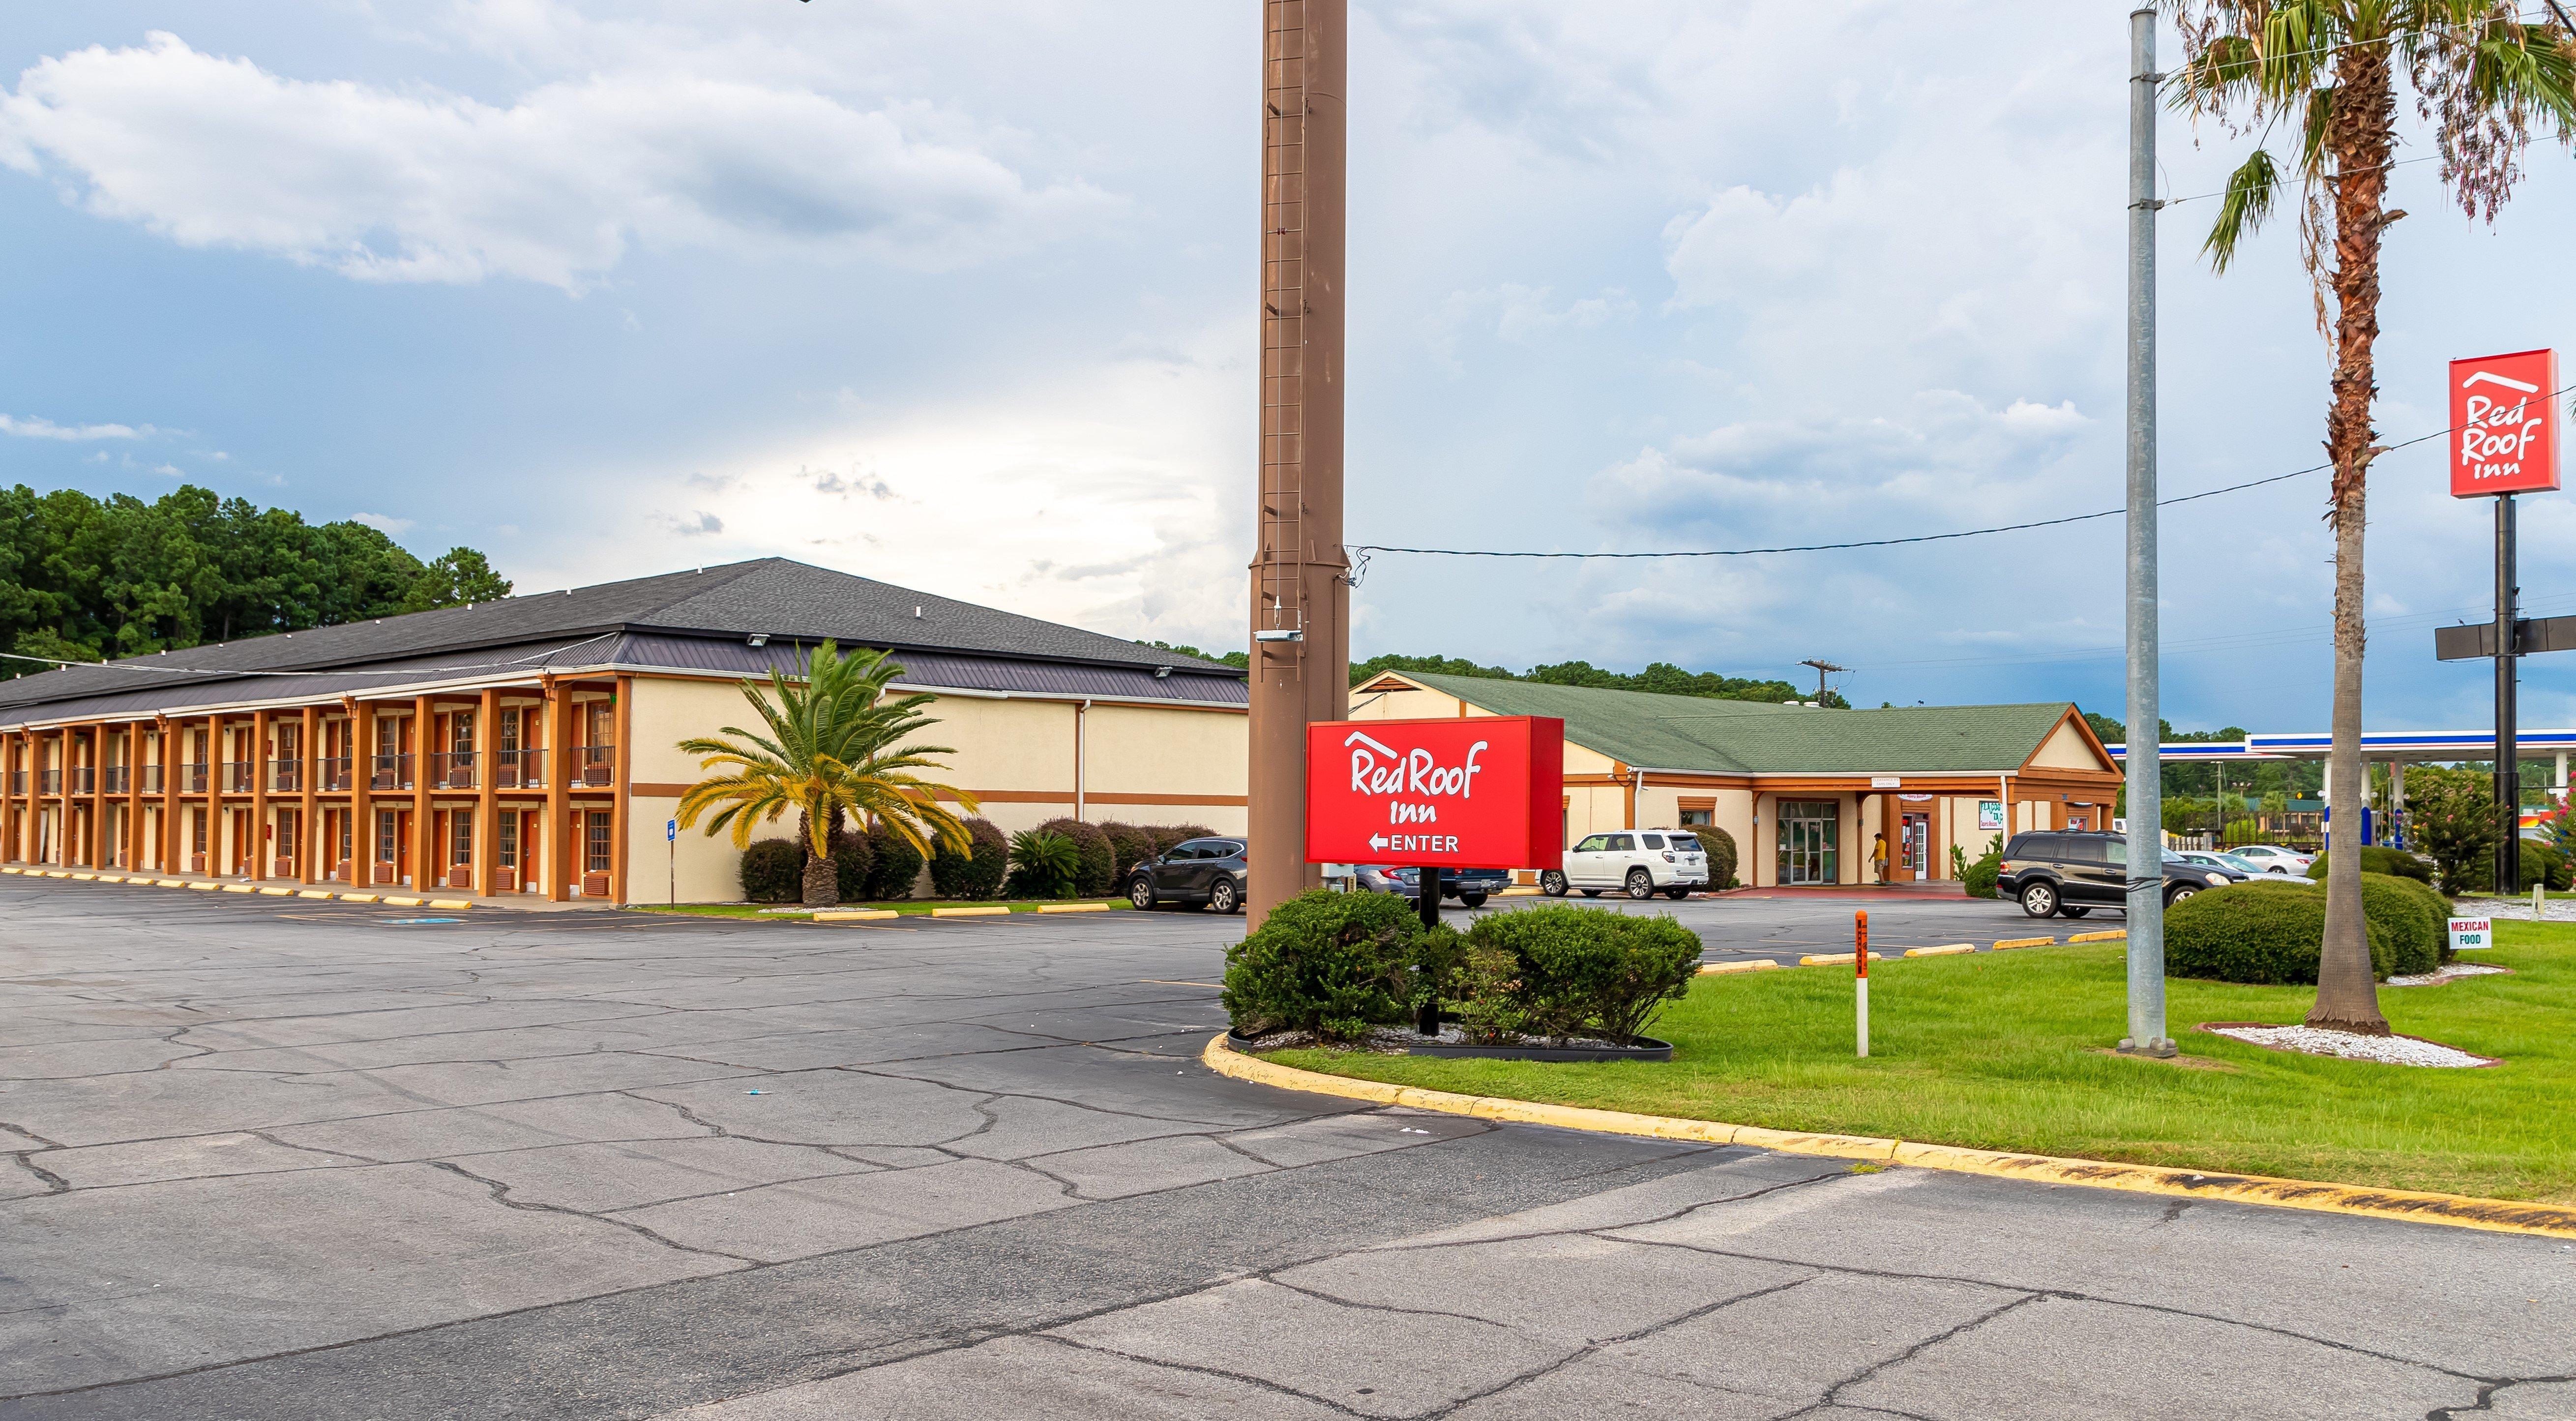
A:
994,911
857,915
236,888
450,903
1727,969
1835,959
277,893
357,897
85,878
202,887
57,873
1521,892
168,883
1946,950
1070,908
312,893
2117,935
11,870
2455,1210
392,902
2008,944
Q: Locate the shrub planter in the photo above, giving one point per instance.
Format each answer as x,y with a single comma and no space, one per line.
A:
1646,1049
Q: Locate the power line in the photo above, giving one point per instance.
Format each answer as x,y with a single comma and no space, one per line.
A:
1363,550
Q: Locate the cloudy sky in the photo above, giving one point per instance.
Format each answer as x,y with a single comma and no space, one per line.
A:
960,294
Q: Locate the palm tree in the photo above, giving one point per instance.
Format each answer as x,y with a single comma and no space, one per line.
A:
2327,72
833,747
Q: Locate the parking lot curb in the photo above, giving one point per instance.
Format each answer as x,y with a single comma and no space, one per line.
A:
1835,959
2008,944
1723,969
2115,935
984,911
451,904
1071,908
857,915
2451,1210
1945,950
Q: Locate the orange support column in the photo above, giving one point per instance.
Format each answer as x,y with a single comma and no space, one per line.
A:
558,840
620,840
487,799
166,738
362,784
308,771
260,853
423,841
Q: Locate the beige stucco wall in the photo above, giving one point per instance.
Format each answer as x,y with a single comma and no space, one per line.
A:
2067,749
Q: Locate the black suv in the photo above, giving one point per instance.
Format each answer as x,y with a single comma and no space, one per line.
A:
2071,872
1203,871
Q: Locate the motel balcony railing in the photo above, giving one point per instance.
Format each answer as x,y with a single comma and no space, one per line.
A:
84,779
152,779
390,772
49,781
594,765
286,776
519,769
119,779
17,781
452,769
192,778
333,773
239,777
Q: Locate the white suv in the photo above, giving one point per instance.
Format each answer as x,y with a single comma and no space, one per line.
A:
1640,863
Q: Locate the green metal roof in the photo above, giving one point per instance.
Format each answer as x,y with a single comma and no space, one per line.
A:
1699,733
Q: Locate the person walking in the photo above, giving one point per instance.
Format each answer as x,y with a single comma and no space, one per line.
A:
1878,857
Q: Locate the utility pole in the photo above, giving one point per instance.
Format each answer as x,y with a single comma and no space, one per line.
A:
2146,947
1821,668
1301,644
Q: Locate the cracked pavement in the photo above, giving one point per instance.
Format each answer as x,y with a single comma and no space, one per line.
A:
264,1162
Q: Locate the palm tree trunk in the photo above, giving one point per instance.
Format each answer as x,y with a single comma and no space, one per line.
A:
2358,135
822,882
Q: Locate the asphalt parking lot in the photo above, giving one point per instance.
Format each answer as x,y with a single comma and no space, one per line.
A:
276,1163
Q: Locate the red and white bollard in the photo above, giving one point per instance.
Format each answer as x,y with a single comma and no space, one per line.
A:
1860,979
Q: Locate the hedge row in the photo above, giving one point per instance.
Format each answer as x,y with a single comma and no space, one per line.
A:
2274,932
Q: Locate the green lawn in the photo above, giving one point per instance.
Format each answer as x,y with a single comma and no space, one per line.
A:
2004,1051
908,906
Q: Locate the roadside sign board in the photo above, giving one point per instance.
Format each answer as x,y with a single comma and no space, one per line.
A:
2472,934
2504,424
1474,792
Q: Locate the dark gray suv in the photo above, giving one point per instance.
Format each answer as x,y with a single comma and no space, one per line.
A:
1208,872
2070,872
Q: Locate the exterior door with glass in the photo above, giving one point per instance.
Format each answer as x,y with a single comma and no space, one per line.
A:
1809,842
1914,847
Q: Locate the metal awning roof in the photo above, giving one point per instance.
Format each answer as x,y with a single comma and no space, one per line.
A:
2375,745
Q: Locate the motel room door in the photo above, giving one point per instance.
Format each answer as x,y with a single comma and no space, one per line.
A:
1914,847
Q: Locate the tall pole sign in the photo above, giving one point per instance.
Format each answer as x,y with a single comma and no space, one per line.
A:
1301,640
2504,441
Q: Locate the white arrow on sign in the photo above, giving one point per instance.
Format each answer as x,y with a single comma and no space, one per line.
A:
1378,842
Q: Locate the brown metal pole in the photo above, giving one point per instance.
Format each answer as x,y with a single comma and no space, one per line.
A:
1301,647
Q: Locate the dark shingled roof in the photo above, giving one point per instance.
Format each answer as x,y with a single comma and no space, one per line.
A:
774,597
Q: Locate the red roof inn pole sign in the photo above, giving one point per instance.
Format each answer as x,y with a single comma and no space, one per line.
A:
1478,792
2504,434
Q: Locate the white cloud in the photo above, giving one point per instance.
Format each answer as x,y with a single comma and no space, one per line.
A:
1522,314
419,184
38,427
384,523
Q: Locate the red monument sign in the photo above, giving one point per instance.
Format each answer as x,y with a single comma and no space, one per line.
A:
2504,425
1479,792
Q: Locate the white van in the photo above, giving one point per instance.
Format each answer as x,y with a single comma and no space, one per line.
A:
1638,862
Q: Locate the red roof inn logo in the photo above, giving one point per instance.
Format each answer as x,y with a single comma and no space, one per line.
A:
2504,426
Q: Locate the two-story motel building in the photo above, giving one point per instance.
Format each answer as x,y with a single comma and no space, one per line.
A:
529,746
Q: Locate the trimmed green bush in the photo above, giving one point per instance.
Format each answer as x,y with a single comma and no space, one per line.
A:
1981,875
977,873
1167,837
1335,964
1098,866
2261,933
1044,864
1588,971
852,857
2375,858
2543,864
773,871
1129,845
896,868
1720,846
2415,933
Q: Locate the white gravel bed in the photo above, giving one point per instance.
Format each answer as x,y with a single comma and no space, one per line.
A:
2387,1050
2449,971
2560,910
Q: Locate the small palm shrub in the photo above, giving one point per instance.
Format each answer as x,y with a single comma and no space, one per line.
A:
1098,862
1586,971
896,868
974,874
1044,864
773,871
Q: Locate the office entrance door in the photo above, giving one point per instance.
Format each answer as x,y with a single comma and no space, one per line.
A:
1810,831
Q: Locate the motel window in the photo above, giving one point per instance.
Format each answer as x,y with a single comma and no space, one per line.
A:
1698,818
600,718
505,847
387,838
509,729
345,816
597,857
286,827
460,837
196,831
460,732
